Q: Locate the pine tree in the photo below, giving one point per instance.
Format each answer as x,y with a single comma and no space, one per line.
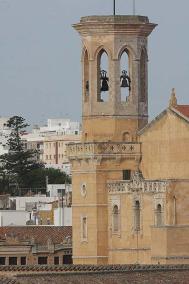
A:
19,161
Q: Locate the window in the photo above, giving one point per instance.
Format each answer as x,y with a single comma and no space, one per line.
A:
67,259
56,260
84,228
2,260
42,260
137,215
12,260
23,260
126,174
115,219
102,75
159,221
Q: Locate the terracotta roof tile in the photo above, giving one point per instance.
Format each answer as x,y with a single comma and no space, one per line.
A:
41,234
184,109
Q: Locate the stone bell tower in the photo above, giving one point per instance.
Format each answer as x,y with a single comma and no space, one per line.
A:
114,35
109,149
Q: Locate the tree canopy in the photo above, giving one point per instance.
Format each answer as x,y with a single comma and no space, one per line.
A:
20,171
19,161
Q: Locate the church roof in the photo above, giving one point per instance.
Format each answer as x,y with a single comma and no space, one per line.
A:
184,109
180,110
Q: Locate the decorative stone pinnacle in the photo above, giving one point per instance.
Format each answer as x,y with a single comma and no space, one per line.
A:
173,99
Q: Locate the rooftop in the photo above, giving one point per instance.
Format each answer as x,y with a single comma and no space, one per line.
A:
129,19
40,234
184,109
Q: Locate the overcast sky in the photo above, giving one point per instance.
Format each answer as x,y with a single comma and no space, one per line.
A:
40,72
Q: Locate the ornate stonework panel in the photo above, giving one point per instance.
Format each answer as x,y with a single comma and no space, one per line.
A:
137,184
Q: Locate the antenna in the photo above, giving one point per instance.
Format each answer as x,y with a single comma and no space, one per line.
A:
114,7
134,7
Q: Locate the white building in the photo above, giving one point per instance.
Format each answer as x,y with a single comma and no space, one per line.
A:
51,141
4,135
58,190
14,218
60,126
28,203
63,216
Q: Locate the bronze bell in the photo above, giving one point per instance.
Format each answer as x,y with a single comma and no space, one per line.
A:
104,81
125,80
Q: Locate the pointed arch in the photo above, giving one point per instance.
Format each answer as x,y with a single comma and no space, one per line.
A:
100,49
130,51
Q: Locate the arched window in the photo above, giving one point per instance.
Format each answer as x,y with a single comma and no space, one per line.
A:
143,82
102,77
125,80
115,219
86,76
83,228
137,215
159,220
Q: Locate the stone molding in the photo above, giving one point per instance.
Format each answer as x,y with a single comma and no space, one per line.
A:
99,150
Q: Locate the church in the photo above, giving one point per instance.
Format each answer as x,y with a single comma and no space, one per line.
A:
130,177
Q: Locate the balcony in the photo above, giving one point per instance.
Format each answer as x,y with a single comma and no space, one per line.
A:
103,149
145,186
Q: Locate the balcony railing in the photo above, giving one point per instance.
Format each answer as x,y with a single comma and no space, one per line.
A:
148,186
84,150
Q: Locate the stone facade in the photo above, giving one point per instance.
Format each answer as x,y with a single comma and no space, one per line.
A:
130,181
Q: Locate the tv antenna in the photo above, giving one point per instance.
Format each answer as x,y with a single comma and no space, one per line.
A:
114,9
134,7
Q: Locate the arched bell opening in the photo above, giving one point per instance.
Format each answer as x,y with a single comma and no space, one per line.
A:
125,79
86,76
102,77
143,79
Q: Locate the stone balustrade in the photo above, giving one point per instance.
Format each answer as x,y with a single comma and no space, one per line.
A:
146,186
84,150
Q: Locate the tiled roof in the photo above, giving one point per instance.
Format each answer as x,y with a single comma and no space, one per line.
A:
184,109
40,234
102,274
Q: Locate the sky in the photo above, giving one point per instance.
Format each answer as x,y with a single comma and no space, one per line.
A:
40,71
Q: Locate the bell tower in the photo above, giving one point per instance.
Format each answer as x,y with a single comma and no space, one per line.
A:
115,107
107,115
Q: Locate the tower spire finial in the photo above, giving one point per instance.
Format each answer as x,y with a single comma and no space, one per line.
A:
114,9
173,99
